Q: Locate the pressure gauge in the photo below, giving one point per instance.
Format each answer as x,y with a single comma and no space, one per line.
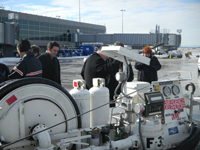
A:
139,108
167,91
175,90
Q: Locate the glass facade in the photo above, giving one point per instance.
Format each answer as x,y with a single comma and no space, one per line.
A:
35,30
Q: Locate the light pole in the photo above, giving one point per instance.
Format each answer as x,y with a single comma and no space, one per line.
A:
122,18
78,31
79,12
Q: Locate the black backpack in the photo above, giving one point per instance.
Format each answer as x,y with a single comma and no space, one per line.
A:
4,72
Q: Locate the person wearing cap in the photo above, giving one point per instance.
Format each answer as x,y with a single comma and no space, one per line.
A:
50,63
148,73
29,65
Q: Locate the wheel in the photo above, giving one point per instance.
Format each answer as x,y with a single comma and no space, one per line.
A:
27,102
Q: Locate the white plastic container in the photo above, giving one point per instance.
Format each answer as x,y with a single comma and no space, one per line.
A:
82,98
99,95
95,140
136,87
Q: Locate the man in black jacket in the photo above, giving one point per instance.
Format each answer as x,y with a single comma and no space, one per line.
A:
98,66
29,65
148,73
50,63
101,66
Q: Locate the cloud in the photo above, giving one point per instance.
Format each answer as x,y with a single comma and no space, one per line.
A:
140,15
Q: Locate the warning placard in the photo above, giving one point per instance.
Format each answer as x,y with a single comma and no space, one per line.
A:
174,104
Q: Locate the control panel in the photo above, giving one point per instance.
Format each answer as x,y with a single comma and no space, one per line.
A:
154,104
174,104
149,104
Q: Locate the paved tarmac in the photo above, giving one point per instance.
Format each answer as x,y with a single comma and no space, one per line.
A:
171,69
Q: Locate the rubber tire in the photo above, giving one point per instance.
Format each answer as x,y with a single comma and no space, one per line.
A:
190,143
13,84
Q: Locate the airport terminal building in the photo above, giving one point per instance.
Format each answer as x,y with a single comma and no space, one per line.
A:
40,30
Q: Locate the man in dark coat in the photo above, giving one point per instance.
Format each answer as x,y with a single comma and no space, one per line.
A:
98,66
29,65
101,66
148,73
50,63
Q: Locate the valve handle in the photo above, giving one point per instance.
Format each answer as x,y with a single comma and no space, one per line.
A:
192,85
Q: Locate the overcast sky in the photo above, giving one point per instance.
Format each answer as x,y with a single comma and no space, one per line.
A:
140,16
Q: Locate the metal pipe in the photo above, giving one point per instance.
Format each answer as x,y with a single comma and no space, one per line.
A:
130,142
122,18
191,106
191,98
43,137
79,12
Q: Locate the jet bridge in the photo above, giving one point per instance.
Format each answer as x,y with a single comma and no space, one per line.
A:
169,40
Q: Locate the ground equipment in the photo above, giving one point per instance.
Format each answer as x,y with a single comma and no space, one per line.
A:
37,113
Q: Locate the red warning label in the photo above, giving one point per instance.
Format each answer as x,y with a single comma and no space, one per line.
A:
175,104
11,100
175,116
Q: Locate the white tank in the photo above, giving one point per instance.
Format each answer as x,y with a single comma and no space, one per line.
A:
99,95
151,131
82,98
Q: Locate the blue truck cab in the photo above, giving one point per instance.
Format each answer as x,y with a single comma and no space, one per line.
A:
79,52
61,53
15,53
73,52
87,50
68,53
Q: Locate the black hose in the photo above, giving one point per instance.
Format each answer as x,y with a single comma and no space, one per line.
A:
140,134
191,141
191,130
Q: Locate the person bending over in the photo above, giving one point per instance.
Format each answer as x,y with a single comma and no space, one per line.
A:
101,66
